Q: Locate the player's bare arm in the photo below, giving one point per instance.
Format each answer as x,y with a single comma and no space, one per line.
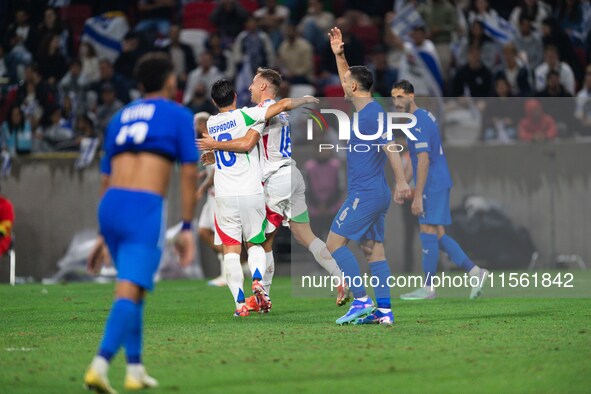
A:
99,254
242,144
287,104
338,48
422,172
401,190
186,244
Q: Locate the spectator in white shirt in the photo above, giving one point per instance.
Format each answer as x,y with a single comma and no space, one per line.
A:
552,62
273,19
206,73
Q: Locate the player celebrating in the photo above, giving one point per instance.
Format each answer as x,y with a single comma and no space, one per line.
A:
240,203
431,201
283,184
362,216
142,141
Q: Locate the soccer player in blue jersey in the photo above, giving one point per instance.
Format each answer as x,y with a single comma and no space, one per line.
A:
431,201
142,143
362,216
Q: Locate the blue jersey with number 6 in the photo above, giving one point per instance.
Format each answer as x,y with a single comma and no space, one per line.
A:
237,173
155,125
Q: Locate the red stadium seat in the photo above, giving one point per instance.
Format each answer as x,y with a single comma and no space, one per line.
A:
250,5
196,15
369,35
334,91
74,16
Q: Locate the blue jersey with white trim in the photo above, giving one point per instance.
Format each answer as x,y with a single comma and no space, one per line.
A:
365,163
429,140
154,125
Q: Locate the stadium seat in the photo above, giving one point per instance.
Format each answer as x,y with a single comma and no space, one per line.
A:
250,5
334,91
74,16
300,90
369,35
196,15
196,39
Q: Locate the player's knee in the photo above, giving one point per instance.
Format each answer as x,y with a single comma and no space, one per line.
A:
129,290
428,229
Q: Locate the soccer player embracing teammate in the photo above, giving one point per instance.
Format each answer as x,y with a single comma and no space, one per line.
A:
283,184
240,203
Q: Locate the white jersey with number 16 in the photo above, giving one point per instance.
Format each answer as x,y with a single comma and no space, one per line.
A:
237,174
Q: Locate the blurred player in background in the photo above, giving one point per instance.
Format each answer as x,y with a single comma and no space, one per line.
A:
6,223
362,215
284,186
142,142
206,227
431,198
240,202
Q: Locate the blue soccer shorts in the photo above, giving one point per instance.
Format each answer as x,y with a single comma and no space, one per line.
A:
362,218
133,224
436,208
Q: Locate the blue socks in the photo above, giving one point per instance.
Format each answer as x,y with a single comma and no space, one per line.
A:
430,248
381,270
455,253
133,343
124,326
350,267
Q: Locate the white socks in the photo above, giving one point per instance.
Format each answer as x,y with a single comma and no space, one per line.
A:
100,365
474,271
257,260
324,258
269,272
234,276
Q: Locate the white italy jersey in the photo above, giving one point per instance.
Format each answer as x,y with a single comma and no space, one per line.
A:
276,142
237,174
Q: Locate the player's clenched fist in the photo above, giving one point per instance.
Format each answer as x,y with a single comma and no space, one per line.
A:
417,206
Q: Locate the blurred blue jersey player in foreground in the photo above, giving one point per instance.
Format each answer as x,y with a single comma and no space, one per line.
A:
362,216
142,143
431,201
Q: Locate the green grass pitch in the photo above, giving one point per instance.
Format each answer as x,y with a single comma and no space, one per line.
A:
48,335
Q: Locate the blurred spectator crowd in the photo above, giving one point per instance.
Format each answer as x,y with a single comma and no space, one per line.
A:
66,66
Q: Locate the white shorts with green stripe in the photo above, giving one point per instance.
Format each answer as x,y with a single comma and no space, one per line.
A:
285,197
240,218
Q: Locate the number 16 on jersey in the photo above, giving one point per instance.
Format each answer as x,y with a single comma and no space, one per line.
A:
220,155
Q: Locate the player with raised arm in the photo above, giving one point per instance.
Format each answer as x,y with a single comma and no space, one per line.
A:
142,142
362,215
431,200
240,202
283,184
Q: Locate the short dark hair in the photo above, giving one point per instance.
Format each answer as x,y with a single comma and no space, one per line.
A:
362,75
270,75
405,85
152,70
551,47
223,93
552,73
